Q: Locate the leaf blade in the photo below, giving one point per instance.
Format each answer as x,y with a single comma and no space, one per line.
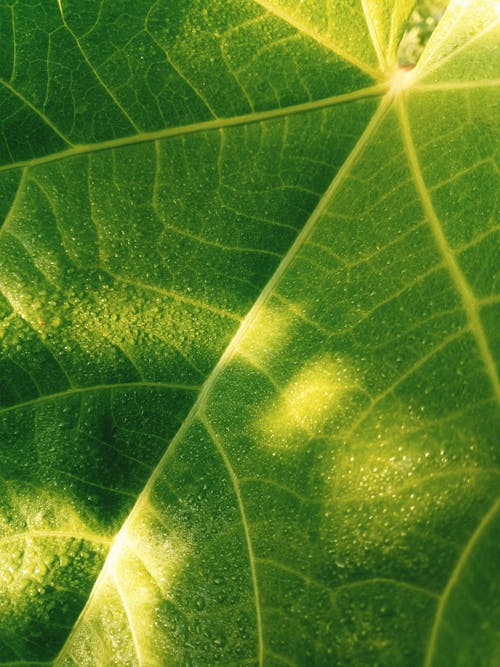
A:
263,534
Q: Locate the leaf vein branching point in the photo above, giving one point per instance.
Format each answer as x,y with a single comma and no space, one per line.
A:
231,350
265,294
181,75
15,202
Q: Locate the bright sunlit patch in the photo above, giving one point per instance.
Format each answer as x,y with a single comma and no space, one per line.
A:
308,400
401,79
479,8
117,550
142,566
145,539
266,335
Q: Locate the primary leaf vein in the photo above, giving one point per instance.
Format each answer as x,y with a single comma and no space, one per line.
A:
373,34
468,298
202,126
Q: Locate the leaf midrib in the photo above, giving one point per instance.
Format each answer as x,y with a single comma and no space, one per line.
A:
198,407
276,277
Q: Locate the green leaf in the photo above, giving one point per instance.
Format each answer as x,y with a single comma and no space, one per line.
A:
248,335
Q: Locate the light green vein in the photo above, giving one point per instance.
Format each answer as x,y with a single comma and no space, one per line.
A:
94,485
424,70
373,34
334,590
216,244
393,35
181,74
33,108
251,556
56,534
467,296
97,388
317,37
103,443
391,488
388,582
454,578
306,500
266,293
176,296
456,335
14,44
94,71
133,632
277,657
203,126
456,85
15,203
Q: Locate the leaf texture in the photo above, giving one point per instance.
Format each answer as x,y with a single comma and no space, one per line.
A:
248,335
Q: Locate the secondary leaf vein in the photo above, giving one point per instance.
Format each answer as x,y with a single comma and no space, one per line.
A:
96,388
454,578
251,556
320,39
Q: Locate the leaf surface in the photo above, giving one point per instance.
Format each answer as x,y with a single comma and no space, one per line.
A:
248,336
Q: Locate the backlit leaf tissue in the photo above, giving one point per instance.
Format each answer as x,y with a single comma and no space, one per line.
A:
249,333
